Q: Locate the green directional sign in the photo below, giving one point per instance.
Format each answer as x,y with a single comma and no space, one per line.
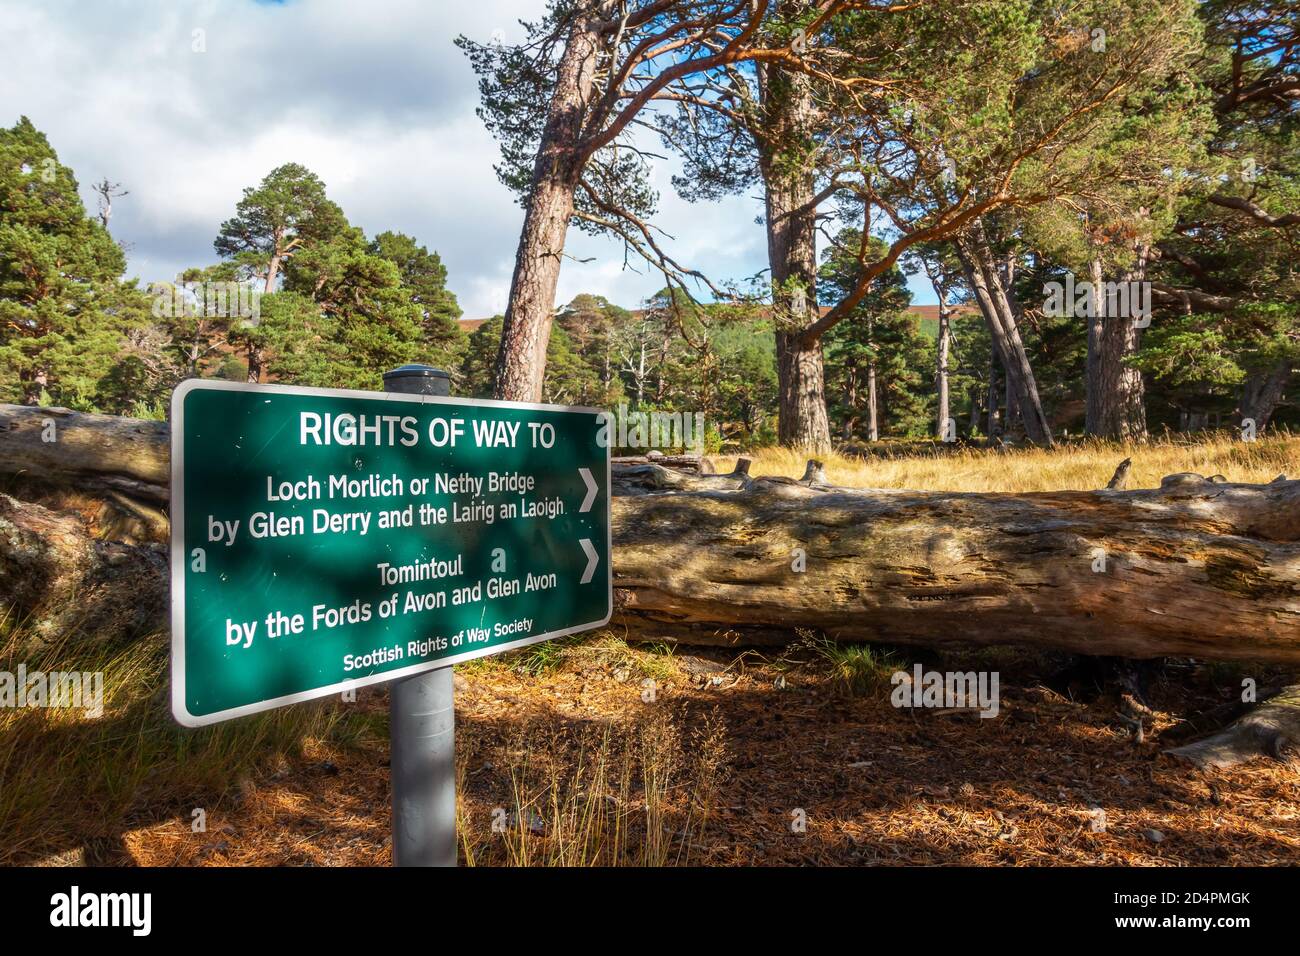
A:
325,539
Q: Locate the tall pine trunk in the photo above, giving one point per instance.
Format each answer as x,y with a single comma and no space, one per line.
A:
1116,398
254,353
873,405
1012,407
521,358
941,368
991,399
1262,393
995,301
792,255
801,409
254,363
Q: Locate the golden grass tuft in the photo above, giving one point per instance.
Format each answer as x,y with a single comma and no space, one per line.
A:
69,779
1082,466
627,794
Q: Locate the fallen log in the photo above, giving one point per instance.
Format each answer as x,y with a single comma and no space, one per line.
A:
696,464
55,578
1195,568
638,479
1264,732
89,452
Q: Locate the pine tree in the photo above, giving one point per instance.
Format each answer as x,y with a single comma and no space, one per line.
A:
877,361
569,380
443,342
367,322
276,221
63,311
590,322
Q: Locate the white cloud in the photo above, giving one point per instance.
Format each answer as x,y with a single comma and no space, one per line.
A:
374,97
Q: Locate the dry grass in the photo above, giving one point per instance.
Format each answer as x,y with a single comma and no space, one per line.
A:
69,779
1079,466
308,785
584,768
602,794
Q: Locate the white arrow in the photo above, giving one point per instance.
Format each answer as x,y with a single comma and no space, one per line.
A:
593,489
592,560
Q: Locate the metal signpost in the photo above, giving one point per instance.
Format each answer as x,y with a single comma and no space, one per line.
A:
325,540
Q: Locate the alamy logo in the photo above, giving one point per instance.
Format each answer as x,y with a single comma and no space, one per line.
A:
1109,300
227,300
935,689
75,908
79,689
652,430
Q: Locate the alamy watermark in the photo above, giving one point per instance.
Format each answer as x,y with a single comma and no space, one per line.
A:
77,689
77,908
977,690
229,300
624,429
1109,300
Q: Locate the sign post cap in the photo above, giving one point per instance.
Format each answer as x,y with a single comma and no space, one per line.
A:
415,370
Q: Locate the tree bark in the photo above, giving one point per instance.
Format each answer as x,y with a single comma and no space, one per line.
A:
991,398
254,364
254,353
1092,368
941,369
873,404
272,268
1011,405
55,576
521,357
785,147
1263,391
95,452
851,400
1264,732
1116,397
802,420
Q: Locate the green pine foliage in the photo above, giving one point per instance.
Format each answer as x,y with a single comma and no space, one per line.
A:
64,311
442,341
880,333
569,379
1188,172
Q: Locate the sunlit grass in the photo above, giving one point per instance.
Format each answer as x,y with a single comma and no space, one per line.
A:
66,774
1075,466
599,649
854,670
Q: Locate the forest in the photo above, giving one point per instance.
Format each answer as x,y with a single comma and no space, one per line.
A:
1158,154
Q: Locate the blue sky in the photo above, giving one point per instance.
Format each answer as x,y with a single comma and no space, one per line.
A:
186,102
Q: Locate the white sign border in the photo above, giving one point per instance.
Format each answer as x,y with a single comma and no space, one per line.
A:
178,556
